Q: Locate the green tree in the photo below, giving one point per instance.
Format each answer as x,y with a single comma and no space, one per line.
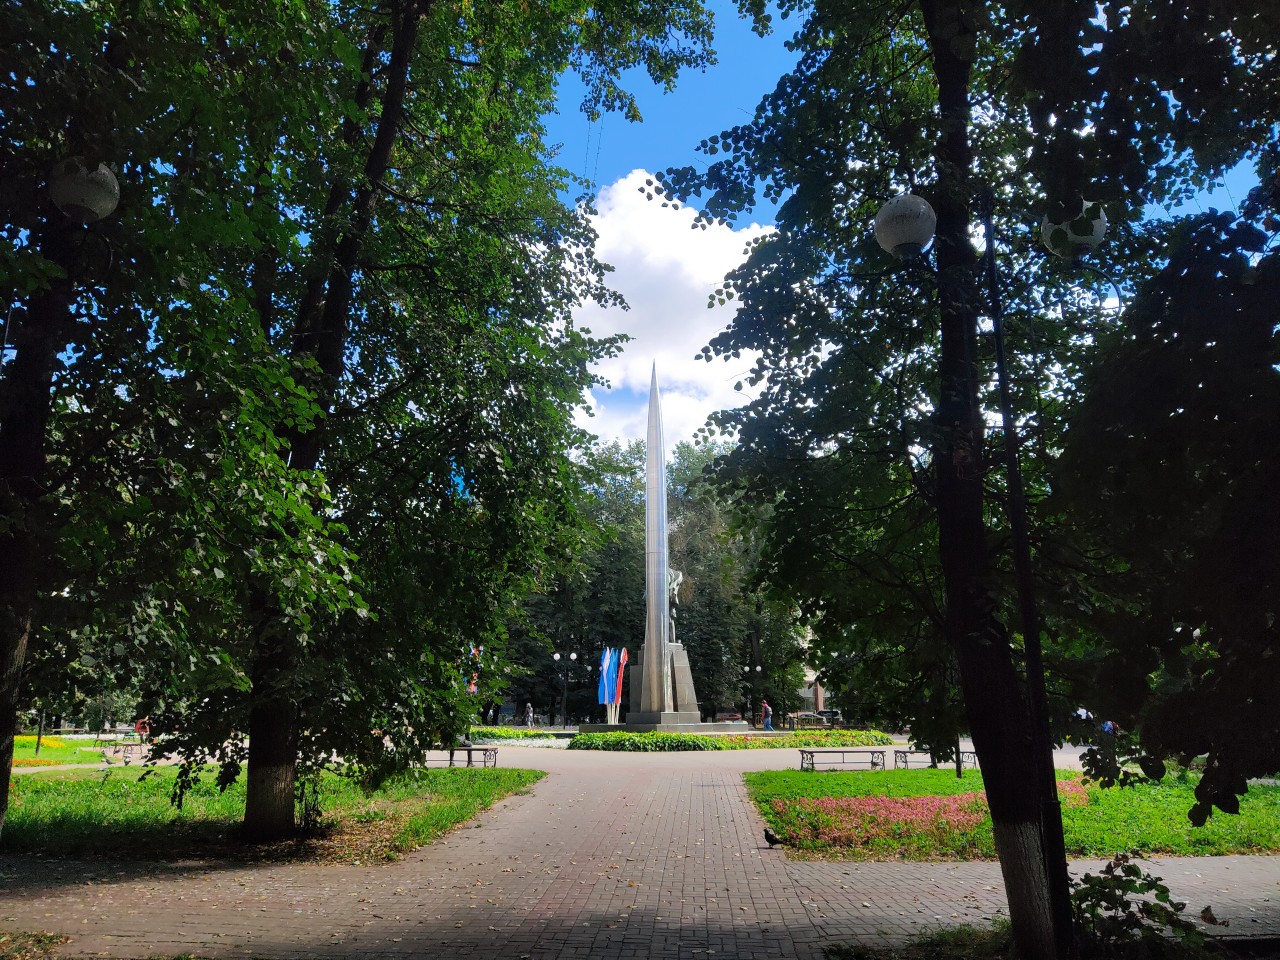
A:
726,618
875,389
1169,468
128,337
365,275
442,148
596,598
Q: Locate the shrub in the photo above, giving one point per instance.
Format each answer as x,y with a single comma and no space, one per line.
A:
651,742
643,742
1125,905
808,738
509,733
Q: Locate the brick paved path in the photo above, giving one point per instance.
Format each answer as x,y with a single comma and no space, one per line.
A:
612,856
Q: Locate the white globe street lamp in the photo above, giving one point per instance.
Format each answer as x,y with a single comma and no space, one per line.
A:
905,226
81,193
1078,236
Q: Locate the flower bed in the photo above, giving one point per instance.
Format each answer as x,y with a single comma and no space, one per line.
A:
884,828
661,742
926,815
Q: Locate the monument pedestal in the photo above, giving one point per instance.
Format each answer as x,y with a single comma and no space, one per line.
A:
686,714
636,719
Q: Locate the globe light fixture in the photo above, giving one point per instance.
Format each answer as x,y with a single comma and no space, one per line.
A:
1078,236
83,194
905,226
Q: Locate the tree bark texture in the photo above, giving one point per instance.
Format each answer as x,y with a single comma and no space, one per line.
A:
995,701
26,402
273,745
323,328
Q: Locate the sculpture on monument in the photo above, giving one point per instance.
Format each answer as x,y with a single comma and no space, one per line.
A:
664,692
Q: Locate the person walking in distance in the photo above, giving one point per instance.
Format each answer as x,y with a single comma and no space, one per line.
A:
528,714
766,714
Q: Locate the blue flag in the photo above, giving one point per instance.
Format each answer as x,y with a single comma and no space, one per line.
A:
604,688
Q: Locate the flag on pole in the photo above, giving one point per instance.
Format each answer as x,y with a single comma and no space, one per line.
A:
602,689
622,662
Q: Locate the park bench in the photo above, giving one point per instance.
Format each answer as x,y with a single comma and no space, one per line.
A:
903,758
872,759
488,756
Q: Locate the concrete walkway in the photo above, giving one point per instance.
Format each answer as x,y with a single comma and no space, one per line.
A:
611,856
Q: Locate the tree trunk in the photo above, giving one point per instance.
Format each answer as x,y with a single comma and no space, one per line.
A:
26,403
273,747
323,327
995,702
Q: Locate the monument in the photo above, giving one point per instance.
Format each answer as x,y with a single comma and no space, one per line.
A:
662,696
662,693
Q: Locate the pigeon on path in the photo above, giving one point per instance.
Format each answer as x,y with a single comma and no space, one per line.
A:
771,838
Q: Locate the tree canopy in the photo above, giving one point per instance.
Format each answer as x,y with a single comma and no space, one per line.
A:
289,434
864,456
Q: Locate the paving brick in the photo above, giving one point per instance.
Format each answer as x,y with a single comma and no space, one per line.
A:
612,857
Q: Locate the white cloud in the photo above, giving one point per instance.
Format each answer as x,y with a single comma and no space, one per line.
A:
665,270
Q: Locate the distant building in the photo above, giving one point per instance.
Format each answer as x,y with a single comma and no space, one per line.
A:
811,694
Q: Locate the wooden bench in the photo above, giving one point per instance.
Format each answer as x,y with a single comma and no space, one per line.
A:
488,756
847,757
902,758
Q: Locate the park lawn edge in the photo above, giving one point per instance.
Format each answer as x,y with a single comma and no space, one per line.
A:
1146,820
138,824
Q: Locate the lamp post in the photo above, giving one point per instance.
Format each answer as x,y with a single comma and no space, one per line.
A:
77,197
904,227
750,681
564,690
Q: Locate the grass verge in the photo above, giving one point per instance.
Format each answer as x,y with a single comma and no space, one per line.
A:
125,814
933,815
29,946
53,751
995,943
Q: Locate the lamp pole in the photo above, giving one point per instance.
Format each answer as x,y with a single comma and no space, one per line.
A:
81,195
1029,612
564,689
751,681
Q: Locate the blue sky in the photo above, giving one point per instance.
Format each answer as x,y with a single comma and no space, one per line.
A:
701,104
663,268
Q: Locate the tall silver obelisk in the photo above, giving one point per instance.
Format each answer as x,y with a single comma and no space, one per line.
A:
664,697
657,621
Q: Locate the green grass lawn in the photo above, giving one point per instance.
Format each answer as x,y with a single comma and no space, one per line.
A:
53,751
84,813
932,815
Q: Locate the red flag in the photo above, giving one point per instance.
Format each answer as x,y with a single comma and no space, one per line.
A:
622,663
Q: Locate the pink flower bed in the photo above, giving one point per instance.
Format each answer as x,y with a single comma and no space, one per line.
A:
954,826
875,821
